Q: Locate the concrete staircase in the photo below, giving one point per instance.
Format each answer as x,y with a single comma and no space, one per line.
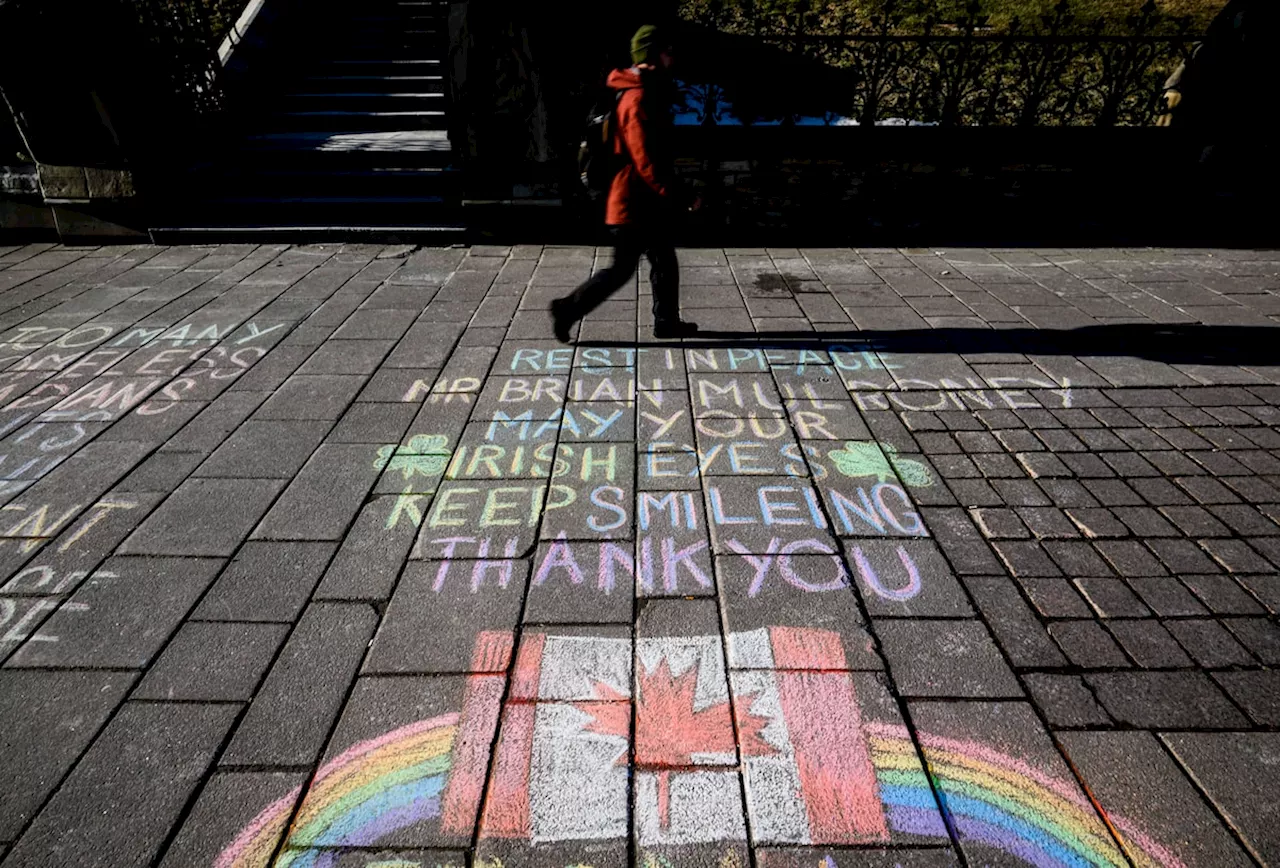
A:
344,136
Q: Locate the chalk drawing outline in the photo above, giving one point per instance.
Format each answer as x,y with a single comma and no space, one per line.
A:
862,458
424,455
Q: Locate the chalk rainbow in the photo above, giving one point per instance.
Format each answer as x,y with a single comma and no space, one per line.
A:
357,798
999,800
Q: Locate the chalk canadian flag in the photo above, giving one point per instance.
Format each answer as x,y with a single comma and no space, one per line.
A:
790,723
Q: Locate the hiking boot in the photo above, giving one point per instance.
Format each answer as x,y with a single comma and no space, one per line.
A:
674,328
561,319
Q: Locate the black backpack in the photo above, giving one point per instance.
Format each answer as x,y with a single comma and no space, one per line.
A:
597,163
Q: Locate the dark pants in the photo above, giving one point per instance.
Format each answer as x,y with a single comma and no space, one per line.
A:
630,243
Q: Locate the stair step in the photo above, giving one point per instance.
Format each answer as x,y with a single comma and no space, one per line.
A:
342,142
423,172
347,138
370,19
383,61
374,78
331,185
339,113
428,233
327,200
307,92
359,95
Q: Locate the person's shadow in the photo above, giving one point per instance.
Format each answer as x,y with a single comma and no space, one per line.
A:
1171,344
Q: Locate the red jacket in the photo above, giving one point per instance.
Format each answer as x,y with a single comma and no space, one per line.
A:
646,188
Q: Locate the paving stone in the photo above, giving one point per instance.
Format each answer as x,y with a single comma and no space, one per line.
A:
162,472
121,616
581,582
1165,700
154,421
464,710
220,662
1224,765
673,549
750,512
1181,556
895,858
265,450
320,397
227,805
1120,768
212,424
1223,595
48,719
1148,642
1236,556
1077,558
1087,644
1111,598
289,718
324,496
1265,588
374,423
346,357
1256,691
1065,700
266,581
1259,635
1016,627
1129,558
1209,643
1025,559
1132,536
1008,736
440,610
272,369
506,513
119,803
945,658
203,517
807,597
78,547
374,550
905,578
94,468
960,541
858,696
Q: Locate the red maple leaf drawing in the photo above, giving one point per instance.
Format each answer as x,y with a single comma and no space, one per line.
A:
610,714
670,730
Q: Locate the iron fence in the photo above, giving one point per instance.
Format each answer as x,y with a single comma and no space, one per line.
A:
1058,69
184,36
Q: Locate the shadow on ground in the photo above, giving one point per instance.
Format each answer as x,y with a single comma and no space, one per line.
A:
1171,344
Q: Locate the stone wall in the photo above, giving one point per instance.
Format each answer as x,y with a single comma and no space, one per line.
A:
841,185
1028,185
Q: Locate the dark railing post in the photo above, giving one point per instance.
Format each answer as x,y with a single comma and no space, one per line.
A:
1055,70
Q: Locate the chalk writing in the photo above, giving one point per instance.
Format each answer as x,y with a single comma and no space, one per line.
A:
19,617
884,509
34,524
46,580
424,455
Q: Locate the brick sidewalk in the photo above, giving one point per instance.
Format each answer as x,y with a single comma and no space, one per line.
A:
329,556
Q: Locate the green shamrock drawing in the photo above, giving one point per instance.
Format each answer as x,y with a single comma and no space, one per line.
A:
869,458
426,454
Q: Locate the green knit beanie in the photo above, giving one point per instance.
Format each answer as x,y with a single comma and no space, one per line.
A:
647,44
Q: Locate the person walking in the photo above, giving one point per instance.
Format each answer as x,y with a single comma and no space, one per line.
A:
645,195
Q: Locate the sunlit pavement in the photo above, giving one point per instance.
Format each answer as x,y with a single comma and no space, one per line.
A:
332,556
